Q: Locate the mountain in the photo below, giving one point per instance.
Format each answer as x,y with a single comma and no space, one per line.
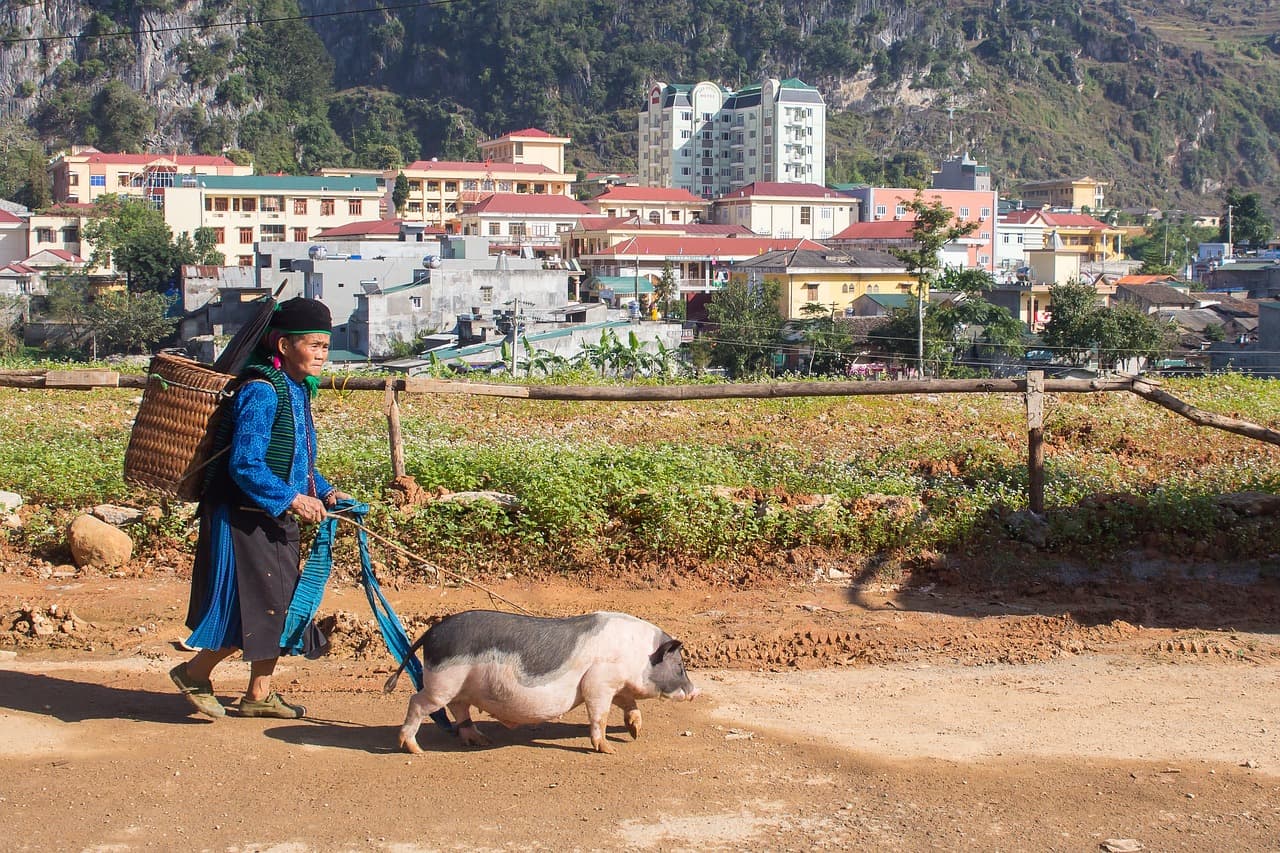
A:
1172,102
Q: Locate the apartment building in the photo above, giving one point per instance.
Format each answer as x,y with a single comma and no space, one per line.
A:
970,206
710,140
530,146
1078,234
530,225
242,211
787,210
85,174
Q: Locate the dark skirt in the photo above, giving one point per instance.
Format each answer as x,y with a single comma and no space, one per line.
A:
267,569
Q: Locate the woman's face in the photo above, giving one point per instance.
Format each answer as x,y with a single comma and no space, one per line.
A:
304,355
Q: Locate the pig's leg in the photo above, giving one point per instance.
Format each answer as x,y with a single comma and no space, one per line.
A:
598,692
467,731
631,713
420,705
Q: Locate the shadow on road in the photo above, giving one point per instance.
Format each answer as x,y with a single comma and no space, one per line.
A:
381,740
77,701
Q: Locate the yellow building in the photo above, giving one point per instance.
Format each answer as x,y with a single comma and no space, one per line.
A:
1075,194
83,175
528,161
830,279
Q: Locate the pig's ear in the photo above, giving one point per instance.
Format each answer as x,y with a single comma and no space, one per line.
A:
667,648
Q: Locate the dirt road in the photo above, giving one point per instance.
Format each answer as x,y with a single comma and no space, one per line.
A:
878,720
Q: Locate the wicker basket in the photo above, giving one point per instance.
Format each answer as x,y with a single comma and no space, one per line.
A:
173,433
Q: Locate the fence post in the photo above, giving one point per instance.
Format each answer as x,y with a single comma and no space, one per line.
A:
1035,440
392,406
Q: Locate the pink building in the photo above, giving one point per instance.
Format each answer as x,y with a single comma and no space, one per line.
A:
881,204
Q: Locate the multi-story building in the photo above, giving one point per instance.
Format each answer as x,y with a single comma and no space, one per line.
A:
529,225
817,276
656,205
529,161
709,140
84,174
787,210
970,206
1073,194
962,173
243,211
1079,234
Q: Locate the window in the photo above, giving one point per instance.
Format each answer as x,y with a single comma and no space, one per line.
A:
271,233
326,207
686,134
354,206
273,204
245,260
1005,239
451,186
504,186
123,179
94,180
220,204
900,210
249,204
415,302
299,235
470,186
806,215
70,234
539,189
414,207
881,210
675,216
433,186
495,229
433,207
300,207
984,259
964,213
517,229
415,185
984,235
655,217
44,235
219,235
246,235
826,213
542,229
985,213
73,180
486,294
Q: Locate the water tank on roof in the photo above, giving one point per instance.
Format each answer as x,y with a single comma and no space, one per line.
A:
431,262
318,253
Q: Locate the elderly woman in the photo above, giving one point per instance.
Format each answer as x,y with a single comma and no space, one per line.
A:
262,482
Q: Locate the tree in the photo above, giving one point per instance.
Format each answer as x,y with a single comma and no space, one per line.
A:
1153,261
131,235
1244,221
748,326
1079,324
400,194
829,345
123,118
666,289
127,322
931,230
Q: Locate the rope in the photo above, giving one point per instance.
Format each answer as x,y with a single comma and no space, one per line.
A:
165,384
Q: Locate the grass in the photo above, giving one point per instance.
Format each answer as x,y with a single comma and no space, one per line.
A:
704,481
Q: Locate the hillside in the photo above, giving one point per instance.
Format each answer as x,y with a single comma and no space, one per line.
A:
1173,102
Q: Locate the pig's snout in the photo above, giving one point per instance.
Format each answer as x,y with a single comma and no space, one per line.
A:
683,695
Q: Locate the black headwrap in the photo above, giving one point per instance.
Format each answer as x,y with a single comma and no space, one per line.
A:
300,316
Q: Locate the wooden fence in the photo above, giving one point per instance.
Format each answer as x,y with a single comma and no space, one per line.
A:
1033,388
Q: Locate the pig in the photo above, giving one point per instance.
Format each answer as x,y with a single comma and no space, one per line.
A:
526,669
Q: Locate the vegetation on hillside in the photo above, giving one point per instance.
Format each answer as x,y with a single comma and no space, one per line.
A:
1172,103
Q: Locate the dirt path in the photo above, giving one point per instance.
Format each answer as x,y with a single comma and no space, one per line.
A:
882,720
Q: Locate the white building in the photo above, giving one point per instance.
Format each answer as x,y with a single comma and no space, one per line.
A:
787,210
709,140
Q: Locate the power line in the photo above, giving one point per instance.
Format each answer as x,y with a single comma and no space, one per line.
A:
421,4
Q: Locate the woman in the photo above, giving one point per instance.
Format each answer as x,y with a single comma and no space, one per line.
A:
263,484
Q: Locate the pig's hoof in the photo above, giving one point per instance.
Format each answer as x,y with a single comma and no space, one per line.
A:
410,744
634,724
470,736
604,746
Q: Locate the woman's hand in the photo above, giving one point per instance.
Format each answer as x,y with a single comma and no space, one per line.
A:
308,509
331,499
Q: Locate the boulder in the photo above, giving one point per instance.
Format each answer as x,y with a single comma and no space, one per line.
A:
10,501
117,515
93,542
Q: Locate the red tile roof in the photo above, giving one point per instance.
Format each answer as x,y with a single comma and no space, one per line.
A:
1144,279
550,205
19,268
1022,217
606,223
372,227
786,190
60,254
147,159
885,229
7,218
721,247
1072,220
479,168
527,132
667,194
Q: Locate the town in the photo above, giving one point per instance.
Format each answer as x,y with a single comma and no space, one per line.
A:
516,262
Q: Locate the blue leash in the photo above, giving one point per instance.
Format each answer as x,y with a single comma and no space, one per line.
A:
315,575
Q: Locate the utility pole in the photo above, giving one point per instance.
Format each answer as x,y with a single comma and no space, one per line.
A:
1230,240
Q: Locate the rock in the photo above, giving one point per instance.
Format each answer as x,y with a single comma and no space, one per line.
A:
1121,845
1029,527
117,515
95,543
10,501
1248,504
12,521
500,498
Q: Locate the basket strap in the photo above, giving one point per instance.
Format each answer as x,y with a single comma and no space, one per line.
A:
165,384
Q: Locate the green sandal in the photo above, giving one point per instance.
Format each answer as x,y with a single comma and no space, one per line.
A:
198,693
273,706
